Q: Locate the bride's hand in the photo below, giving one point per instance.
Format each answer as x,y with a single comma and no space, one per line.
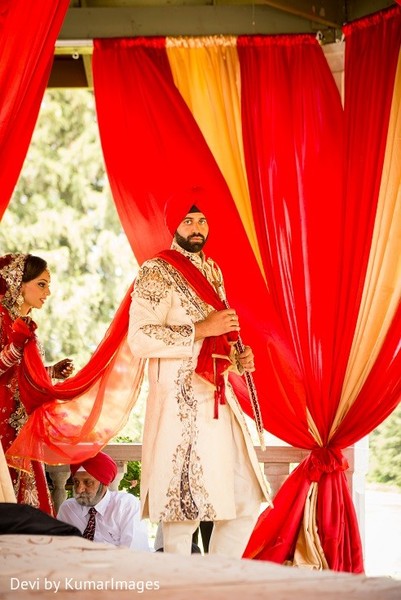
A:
63,369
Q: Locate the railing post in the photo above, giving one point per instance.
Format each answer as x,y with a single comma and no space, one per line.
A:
358,459
277,461
276,474
59,475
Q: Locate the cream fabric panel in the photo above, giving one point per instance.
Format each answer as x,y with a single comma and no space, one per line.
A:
308,549
206,72
382,291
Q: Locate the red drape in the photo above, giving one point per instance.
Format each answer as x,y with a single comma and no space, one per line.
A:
72,420
371,56
292,127
315,241
293,135
28,31
153,148
372,53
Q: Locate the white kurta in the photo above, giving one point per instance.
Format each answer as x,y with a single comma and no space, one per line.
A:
191,462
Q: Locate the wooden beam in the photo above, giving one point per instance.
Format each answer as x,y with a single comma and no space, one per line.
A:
105,22
68,72
355,9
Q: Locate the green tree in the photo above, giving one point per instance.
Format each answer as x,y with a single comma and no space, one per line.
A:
385,450
62,210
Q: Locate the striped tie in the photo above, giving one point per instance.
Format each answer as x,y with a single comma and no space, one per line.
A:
89,532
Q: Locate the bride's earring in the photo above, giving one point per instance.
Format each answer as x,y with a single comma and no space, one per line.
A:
20,301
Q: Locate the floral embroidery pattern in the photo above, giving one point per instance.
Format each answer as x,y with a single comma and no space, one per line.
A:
170,334
151,285
25,486
187,493
194,306
18,418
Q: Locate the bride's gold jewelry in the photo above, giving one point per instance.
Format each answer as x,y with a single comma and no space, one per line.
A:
12,274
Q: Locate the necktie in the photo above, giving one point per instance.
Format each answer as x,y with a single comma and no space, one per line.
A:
89,532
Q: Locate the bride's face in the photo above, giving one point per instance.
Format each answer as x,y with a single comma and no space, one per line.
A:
35,292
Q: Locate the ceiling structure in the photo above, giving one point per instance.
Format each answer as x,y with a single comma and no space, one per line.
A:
89,19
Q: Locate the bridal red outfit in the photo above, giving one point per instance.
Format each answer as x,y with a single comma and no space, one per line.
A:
30,485
63,422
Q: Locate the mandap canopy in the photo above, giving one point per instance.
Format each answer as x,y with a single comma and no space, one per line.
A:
305,214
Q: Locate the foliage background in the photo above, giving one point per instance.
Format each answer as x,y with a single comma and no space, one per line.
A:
62,210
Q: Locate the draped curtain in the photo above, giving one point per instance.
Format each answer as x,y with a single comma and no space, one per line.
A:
289,161
322,296
304,211
74,419
28,32
155,132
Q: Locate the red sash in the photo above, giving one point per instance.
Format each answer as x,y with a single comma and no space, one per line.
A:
214,357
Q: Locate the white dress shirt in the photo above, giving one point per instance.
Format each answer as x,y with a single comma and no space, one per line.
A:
118,520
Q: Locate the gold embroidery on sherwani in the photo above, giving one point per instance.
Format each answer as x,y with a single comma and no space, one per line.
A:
151,285
170,334
187,493
196,307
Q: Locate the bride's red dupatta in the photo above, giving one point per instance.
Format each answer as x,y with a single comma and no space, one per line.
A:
72,420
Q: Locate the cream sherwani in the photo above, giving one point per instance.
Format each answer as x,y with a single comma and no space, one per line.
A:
194,467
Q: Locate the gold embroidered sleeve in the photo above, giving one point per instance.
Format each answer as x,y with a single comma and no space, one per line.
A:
169,334
151,286
153,309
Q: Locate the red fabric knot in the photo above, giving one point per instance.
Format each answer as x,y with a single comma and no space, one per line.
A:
325,460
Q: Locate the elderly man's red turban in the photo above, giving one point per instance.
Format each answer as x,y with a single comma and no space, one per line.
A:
180,204
101,467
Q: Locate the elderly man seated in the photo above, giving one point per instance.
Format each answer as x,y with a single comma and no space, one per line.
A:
100,514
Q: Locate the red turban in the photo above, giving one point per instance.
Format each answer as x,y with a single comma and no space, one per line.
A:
179,204
101,467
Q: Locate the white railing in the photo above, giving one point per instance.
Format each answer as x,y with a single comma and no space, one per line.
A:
277,462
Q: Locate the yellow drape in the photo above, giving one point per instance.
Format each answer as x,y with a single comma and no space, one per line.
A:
308,549
206,72
382,290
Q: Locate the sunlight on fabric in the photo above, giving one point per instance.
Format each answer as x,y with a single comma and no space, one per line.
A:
382,290
206,72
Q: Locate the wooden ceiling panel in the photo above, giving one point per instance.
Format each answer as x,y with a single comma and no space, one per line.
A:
89,19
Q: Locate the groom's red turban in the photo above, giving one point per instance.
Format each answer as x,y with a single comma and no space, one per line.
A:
181,203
